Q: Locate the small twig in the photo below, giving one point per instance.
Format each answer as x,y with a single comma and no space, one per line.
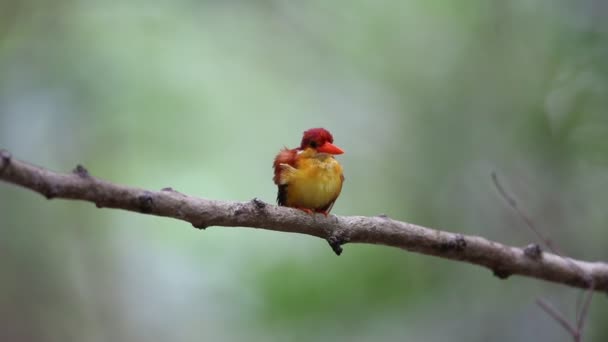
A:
511,201
582,314
530,223
559,318
579,302
581,311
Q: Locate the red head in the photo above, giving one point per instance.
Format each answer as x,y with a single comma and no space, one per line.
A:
321,140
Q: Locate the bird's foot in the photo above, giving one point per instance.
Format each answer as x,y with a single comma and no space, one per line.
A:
325,213
306,210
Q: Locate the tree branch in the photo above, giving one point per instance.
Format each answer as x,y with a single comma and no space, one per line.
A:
503,260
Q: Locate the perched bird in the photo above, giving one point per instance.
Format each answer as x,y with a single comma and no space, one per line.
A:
308,177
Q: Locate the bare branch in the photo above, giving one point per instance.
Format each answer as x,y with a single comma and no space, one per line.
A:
503,260
528,221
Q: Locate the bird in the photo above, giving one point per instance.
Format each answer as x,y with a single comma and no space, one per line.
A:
308,177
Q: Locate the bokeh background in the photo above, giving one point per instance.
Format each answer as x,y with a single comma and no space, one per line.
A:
428,98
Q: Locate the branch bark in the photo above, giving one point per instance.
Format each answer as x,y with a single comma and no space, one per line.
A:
501,259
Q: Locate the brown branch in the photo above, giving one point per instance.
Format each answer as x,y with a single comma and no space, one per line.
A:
503,260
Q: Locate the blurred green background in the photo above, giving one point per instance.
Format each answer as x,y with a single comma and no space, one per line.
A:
427,98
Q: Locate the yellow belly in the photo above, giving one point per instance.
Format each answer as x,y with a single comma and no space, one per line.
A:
315,183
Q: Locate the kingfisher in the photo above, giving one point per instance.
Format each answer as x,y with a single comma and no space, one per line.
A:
308,177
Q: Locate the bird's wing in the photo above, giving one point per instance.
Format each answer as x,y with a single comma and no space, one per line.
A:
286,157
287,173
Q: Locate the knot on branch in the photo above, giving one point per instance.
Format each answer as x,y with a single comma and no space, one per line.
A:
171,190
501,273
81,171
533,251
335,242
457,244
240,210
336,239
258,203
50,191
5,156
200,226
254,205
145,202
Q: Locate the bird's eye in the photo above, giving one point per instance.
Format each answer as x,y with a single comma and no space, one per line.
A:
313,144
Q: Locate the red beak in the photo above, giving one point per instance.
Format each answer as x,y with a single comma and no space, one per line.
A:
329,148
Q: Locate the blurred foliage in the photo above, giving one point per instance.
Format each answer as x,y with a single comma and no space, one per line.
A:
428,98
